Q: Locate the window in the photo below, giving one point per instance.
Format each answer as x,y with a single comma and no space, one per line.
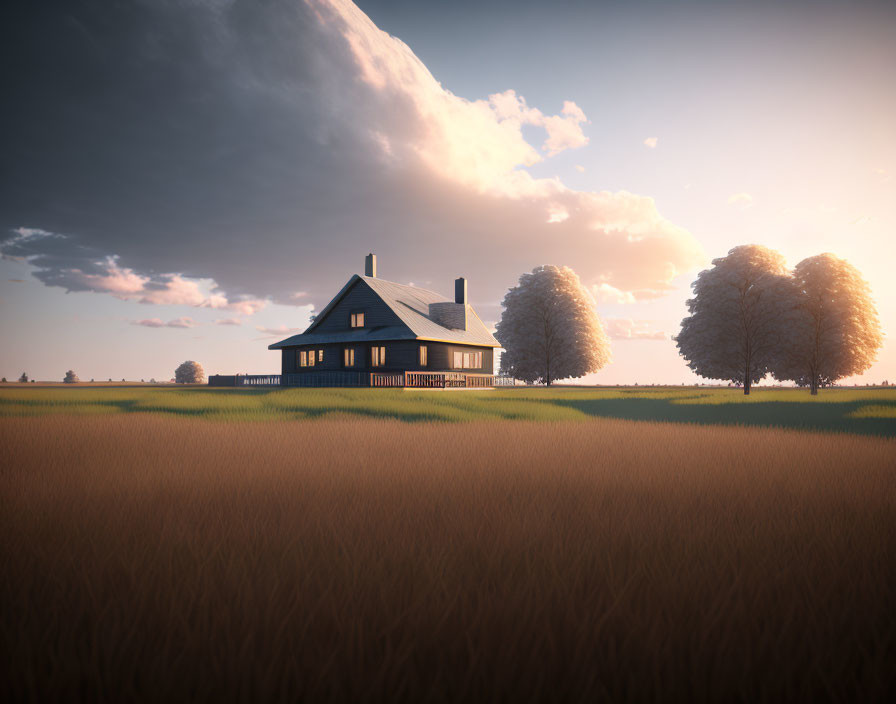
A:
320,355
357,320
311,356
377,356
349,358
303,358
467,360
423,353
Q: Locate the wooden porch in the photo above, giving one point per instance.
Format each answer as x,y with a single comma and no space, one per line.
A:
396,380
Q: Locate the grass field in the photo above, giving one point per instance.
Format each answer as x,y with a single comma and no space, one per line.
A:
864,411
164,545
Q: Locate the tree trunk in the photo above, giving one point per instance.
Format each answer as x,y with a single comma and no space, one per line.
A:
747,380
814,385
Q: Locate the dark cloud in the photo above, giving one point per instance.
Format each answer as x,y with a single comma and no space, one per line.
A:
247,144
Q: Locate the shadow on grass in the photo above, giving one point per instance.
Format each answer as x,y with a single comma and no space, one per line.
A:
825,417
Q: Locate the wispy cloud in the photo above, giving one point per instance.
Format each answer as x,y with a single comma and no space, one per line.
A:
651,142
228,321
745,200
604,293
279,331
182,322
16,281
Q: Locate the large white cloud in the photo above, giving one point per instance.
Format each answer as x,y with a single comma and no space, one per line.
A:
249,152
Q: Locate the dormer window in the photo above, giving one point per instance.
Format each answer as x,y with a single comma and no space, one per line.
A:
357,320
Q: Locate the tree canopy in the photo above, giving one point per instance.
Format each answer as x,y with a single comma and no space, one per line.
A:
549,328
832,327
734,324
189,373
70,377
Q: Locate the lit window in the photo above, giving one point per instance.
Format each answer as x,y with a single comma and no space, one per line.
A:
349,357
303,358
423,358
467,360
310,358
357,320
320,355
377,356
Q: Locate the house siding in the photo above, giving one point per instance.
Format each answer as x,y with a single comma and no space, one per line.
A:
359,299
401,355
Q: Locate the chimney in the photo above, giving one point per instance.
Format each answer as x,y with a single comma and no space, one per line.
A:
460,291
370,265
452,315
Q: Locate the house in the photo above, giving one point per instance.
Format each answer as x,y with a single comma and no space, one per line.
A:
380,333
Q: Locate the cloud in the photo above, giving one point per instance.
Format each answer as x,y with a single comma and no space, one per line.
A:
279,331
182,322
651,142
228,321
16,281
325,140
627,329
580,168
743,199
89,272
604,293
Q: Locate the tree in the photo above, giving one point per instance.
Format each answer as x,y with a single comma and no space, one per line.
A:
735,316
189,373
70,378
549,328
24,378
833,329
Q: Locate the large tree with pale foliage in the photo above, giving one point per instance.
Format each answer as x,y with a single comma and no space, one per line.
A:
71,377
189,373
832,327
735,317
549,328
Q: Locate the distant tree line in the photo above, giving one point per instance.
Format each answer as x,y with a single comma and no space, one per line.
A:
750,316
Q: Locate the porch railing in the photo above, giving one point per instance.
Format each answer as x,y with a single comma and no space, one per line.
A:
323,379
385,379
258,380
447,380
412,380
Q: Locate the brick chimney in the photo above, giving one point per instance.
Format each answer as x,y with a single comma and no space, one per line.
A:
370,265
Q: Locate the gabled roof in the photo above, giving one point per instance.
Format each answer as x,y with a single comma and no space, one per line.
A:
411,305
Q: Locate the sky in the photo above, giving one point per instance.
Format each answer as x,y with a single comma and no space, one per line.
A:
191,180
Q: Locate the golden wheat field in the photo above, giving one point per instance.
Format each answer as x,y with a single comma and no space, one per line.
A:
172,559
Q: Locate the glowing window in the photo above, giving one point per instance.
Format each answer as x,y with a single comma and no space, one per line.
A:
377,356
423,356
357,320
349,358
467,360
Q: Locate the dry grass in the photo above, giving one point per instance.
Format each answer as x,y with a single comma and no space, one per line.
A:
173,559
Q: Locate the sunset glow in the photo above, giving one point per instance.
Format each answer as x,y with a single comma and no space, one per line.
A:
631,144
